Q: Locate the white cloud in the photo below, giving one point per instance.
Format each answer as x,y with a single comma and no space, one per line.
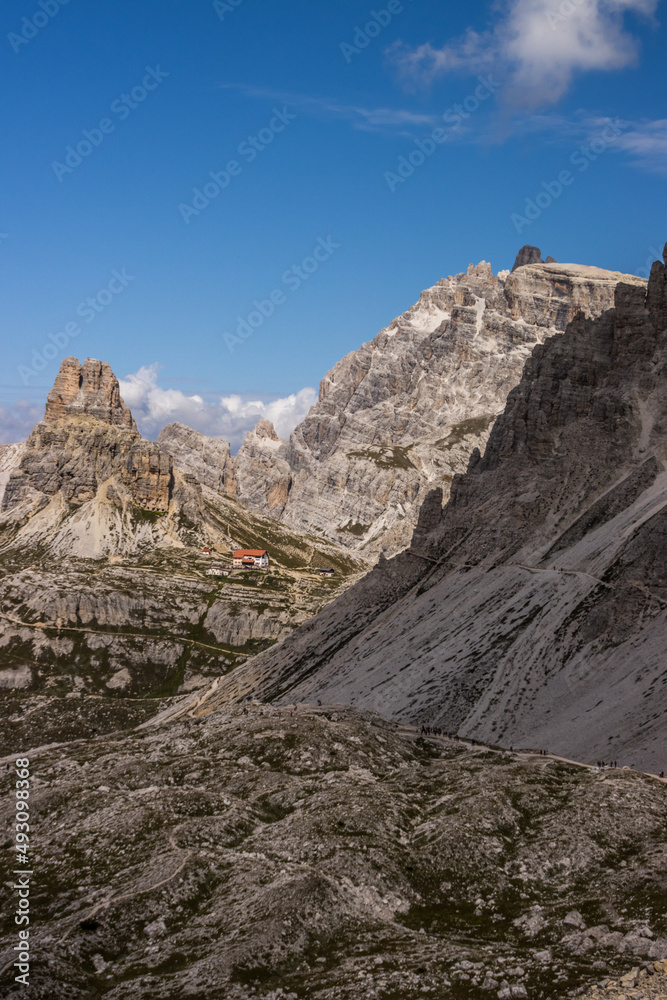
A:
539,46
17,420
230,417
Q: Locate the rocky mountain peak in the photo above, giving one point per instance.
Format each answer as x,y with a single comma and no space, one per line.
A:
103,460
481,270
401,415
533,606
264,430
206,458
90,388
530,255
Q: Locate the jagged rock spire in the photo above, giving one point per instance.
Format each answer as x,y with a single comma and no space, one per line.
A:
91,388
531,255
527,255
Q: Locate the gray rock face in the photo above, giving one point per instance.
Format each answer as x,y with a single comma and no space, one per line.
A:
75,456
401,415
90,388
264,477
103,580
206,458
10,459
88,437
535,611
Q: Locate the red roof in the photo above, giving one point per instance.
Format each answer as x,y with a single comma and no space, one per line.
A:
243,553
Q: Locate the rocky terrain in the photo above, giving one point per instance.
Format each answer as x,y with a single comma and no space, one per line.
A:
647,983
196,833
325,854
402,413
532,609
103,585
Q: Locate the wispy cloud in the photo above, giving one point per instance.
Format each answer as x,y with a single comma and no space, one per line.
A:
360,117
643,141
538,46
646,143
229,417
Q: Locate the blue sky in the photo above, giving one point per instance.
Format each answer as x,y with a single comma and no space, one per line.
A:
311,240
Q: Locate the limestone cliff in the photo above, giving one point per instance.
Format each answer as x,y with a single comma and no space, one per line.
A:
402,413
206,458
533,609
91,388
264,476
103,584
88,437
10,459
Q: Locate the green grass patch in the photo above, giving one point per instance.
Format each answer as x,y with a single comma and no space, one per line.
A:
355,529
385,458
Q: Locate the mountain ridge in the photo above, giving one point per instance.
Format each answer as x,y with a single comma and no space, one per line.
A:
104,553
401,413
540,585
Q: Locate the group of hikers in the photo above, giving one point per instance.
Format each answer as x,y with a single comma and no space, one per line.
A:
439,731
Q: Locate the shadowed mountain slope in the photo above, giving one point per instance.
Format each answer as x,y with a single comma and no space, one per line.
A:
533,609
